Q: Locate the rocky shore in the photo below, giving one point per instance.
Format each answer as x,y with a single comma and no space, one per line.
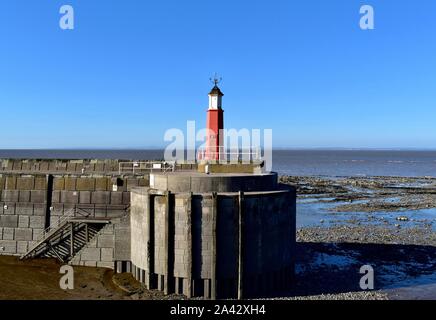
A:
368,194
330,258
401,251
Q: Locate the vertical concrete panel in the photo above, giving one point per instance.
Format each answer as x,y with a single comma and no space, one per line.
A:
59,183
70,183
40,183
25,183
150,235
85,184
138,227
187,287
168,254
11,182
101,184
241,243
213,277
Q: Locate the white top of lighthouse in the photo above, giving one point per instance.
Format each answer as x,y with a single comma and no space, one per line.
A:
215,95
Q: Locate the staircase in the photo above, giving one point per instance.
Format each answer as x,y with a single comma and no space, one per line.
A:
67,238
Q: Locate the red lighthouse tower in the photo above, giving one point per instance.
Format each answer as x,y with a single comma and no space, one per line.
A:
214,124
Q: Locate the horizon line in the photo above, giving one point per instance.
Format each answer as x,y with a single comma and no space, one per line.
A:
154,148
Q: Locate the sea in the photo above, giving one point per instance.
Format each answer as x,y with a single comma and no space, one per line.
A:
331,163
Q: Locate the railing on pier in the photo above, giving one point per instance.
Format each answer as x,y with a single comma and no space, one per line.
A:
137,167
222,154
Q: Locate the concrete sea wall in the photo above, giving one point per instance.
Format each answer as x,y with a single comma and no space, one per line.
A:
213,244
58,166
30,203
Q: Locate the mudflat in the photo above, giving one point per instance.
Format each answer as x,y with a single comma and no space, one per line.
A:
38,279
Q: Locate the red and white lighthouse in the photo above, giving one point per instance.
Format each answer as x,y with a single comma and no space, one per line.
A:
214,124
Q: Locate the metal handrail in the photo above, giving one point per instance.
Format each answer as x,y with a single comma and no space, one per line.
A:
210,153
85,213
135,166
53,227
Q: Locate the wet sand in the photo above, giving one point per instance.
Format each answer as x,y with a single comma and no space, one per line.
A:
38,279
368,194
386,222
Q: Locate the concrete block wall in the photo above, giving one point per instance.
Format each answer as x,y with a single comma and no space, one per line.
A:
96,196
60,166
29,203
99,252
22,212
65,166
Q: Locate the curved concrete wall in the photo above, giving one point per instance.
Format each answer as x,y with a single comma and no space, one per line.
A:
186,243
200,183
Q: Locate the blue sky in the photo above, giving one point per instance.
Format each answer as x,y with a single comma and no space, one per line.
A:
130,70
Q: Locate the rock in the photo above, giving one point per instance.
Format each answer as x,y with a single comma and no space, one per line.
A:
135,296
402,218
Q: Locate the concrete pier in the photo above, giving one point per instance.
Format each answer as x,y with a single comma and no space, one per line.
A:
224,244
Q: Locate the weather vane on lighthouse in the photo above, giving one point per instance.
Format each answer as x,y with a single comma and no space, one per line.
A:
215,80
